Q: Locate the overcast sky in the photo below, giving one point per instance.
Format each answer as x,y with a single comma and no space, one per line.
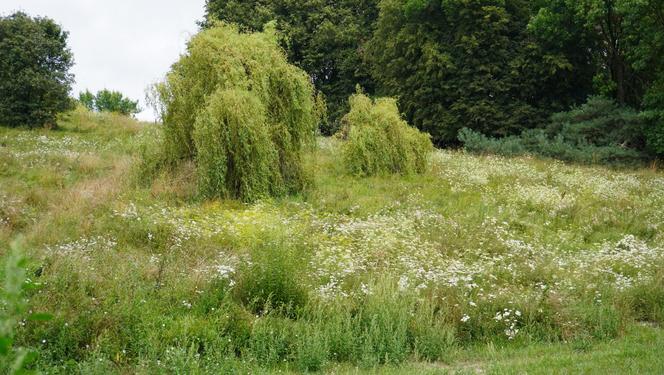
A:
122,45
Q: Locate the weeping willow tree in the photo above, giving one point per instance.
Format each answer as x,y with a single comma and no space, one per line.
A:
241,112
378,141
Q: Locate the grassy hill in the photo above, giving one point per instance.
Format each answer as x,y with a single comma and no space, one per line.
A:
483,264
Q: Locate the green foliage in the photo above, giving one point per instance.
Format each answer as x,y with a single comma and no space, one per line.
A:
479,143
34,71
379,141
234,148
599,122
496,67
655,134
87,99
324,37
653,116
600,131
623,45
271,340
465,63
619,44
395,270
565,38
109,101
272,281
13,308
235,106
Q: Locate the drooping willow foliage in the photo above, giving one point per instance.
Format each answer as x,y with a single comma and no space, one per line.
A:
235,106
379,141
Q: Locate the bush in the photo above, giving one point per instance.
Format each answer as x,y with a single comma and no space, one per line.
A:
34,71
600,122
598,132
479,143
655,133
379,141
236,107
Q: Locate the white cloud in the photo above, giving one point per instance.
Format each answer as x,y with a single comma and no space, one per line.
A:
122,45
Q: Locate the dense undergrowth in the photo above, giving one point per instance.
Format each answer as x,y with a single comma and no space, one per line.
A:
597,132
379,271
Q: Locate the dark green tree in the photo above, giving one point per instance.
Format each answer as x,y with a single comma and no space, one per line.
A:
564,37
326,38
34,71
619,43
645,20
594,34
471,63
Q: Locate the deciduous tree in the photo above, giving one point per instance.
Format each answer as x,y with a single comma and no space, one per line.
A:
34,71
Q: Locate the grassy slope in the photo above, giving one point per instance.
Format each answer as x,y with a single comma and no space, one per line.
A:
413,268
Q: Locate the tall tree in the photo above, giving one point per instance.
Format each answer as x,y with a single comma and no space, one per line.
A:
34,71
463,63
645,21
326,38
622,45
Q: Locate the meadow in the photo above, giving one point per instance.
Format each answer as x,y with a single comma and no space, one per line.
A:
483,264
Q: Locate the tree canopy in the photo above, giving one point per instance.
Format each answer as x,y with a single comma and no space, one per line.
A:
466,63
326,38
241,112
495,66
619,44
34,71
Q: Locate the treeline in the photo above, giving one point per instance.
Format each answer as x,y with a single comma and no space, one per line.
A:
109,101
496,67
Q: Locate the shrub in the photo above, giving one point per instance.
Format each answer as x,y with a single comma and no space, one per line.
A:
311,347
479,143
234,147
655,134
599,131
235,106
379,141
600,122
384,325
432,337
271,340
34,71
